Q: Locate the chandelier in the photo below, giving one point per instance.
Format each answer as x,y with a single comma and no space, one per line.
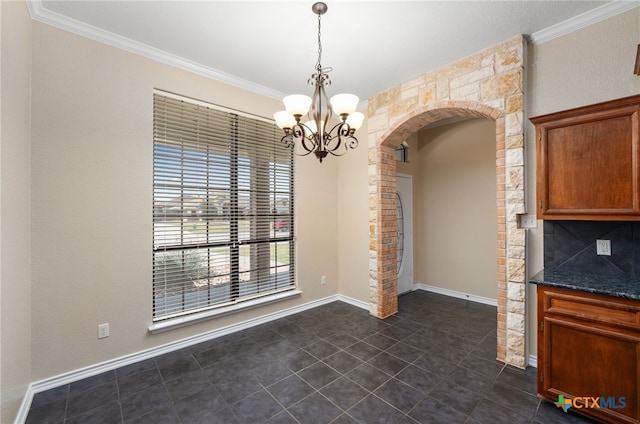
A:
312,136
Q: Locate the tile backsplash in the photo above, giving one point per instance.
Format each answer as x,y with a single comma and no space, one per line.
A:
571,246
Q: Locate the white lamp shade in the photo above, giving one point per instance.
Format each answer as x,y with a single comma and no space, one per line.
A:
284,119
297,104
312,125
344,103
355,120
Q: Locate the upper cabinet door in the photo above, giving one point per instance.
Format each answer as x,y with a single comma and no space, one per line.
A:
587,162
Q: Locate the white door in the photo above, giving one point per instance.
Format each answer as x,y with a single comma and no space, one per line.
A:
404,212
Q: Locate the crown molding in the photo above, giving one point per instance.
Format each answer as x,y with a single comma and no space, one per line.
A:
41,14
583,20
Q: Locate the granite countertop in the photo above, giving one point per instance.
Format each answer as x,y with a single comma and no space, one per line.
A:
612,285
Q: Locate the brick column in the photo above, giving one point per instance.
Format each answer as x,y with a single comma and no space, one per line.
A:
388,232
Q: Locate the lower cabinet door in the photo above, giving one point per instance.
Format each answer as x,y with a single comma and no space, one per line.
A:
595,368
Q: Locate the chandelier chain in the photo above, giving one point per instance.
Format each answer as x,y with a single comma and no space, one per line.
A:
318,65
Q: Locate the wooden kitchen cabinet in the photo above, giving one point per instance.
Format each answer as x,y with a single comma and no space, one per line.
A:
589,347
587,162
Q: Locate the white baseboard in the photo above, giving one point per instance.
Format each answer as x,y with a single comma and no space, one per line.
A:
112,364
459,295
533,361
354,302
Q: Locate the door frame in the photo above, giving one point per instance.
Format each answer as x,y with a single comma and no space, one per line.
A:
407,209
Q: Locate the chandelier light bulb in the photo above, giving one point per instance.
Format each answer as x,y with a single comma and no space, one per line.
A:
284,119
344,104
312,125
355,120
297,104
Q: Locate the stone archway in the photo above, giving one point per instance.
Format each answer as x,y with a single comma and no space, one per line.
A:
487,85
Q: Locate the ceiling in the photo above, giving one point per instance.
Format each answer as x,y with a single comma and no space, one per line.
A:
270,47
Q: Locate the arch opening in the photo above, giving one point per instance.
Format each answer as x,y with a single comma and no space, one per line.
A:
494,80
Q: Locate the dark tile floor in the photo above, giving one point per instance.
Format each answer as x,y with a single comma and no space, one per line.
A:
434,362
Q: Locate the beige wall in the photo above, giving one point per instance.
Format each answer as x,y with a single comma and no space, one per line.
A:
92,195
453,166
15,233
584,67
456,197
353,225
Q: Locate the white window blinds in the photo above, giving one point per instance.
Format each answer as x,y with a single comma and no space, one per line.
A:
222,208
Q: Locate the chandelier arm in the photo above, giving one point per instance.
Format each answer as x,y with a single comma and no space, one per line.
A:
334,141
352,142
306,137
303,153
342,132
344,139
341,152
290,142
308,143
349,142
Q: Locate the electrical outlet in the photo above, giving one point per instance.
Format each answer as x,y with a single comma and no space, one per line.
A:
323,280
528,221
103,330
603,247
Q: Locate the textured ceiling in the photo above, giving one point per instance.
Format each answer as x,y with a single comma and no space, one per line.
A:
271,46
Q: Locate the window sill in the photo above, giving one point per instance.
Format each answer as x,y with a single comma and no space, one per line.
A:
173,323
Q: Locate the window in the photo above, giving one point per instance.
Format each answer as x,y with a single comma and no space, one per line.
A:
401,152
222,208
